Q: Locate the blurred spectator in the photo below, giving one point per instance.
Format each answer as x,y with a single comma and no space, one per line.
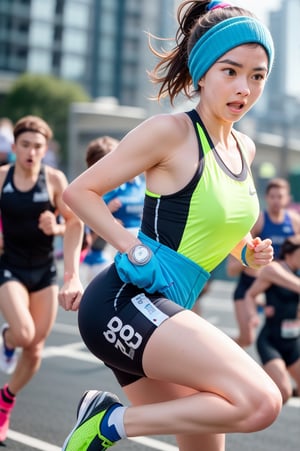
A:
278,342
6,140
277,222
125,202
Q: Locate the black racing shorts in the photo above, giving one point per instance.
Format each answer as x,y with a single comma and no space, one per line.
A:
270,345
116,321
244,283
33,279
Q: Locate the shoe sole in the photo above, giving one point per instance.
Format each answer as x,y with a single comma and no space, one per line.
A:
83,407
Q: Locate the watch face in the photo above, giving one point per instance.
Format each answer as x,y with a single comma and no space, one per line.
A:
141,254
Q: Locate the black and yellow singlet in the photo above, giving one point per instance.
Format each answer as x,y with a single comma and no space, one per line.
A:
206,219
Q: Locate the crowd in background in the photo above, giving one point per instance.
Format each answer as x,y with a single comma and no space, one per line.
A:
281,358
97,254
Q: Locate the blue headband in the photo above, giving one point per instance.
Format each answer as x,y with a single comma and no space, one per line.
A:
224,36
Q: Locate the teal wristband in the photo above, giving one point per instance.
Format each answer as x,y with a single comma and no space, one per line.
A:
243,256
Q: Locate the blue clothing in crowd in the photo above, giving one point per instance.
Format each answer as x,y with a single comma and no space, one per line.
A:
131,195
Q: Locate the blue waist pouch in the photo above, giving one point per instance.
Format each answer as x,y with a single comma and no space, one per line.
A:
169,273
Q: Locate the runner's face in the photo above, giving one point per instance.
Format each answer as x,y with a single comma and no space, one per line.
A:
30,148
235,82
277,199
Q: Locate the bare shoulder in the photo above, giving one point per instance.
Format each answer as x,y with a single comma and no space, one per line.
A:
248,145
3,172
155,140
170,127
169,121
55,177
54,173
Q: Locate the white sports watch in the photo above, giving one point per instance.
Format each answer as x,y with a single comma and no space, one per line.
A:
139,254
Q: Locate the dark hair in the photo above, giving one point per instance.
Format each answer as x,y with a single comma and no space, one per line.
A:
33,124
194,20
98,148
289,246
277,183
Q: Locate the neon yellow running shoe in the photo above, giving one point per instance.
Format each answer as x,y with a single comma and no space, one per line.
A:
86,434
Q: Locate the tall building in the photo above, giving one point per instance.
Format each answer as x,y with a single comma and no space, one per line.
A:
102,44
283,87
278,111
286,32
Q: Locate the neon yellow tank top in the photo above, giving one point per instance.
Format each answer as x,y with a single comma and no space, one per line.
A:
205,220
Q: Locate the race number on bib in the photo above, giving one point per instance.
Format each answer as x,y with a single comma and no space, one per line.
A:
290,328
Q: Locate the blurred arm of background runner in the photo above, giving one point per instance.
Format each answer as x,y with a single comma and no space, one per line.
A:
48,223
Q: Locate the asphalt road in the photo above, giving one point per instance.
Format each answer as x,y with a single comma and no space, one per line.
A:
46,408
